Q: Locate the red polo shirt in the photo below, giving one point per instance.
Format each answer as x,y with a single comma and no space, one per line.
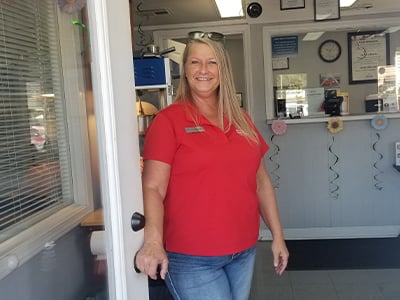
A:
211,205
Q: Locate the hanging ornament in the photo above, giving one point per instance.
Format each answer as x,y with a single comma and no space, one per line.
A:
379,122
274,175
334,175
278,127
378,183
335,125
71,6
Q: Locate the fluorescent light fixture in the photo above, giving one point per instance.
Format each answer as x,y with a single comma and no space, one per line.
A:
312,36
47,95
230,8
347,3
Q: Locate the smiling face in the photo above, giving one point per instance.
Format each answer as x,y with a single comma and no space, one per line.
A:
201,70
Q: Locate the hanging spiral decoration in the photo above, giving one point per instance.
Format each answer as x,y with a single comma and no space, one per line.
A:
377,182
379,122
144,39
334,176
278,127
276,177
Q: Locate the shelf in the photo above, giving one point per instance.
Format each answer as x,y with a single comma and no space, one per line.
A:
152,87
320,119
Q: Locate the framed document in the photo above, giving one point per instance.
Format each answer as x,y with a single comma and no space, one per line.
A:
367,51
326,10
280,63
292,4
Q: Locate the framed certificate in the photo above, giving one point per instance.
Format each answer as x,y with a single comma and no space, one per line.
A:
367,51
292,4
326,10
280,63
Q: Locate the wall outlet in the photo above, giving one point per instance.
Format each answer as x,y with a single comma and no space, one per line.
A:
397,153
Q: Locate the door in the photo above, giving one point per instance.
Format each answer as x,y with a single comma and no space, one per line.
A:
118,146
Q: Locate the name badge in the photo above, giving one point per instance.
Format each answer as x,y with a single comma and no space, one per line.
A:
194,129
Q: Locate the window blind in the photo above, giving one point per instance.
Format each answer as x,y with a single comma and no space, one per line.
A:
35,172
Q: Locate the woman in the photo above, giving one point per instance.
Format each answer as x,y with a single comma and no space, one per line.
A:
205,184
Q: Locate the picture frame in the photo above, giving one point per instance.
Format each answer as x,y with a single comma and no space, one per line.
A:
325,10
366,51
292,4
280,63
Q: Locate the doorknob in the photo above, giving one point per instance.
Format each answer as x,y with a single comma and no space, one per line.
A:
137,221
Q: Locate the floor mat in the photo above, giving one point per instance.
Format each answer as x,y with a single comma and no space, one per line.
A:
344,254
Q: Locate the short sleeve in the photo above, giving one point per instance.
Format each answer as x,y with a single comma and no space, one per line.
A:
263,145
160,141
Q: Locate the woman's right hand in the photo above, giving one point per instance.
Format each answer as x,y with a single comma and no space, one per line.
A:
150,257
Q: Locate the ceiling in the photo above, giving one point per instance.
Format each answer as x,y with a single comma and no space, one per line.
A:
170,12
153,12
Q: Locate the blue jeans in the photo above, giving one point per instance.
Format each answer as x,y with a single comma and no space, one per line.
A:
225,277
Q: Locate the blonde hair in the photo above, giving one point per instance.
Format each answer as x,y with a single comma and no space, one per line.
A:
228,106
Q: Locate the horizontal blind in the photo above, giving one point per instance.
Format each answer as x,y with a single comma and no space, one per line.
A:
35,176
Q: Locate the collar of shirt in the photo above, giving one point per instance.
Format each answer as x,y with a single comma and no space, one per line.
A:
192,114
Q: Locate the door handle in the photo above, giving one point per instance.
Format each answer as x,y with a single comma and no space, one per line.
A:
137,221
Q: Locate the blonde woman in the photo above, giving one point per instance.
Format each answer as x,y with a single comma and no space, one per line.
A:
205,184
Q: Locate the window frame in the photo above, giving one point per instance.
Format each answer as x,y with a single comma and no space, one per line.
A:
17,250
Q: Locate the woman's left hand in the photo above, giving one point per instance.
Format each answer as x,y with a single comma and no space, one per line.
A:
280,254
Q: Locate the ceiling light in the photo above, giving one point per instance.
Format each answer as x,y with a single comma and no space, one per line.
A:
347,3
230,8
312,36
47,95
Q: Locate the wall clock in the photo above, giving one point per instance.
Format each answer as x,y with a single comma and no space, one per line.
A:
329,51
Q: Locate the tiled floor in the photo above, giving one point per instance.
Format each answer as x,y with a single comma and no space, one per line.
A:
362,284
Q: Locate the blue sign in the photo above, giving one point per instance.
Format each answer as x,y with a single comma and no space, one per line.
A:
285,45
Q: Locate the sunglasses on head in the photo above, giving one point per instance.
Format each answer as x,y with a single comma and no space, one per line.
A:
214,36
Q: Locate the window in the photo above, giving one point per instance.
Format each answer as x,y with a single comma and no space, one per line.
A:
32,124
36,160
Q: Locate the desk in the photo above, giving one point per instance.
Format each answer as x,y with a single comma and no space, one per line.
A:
94,219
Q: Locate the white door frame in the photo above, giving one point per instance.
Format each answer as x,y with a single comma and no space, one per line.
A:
115,111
